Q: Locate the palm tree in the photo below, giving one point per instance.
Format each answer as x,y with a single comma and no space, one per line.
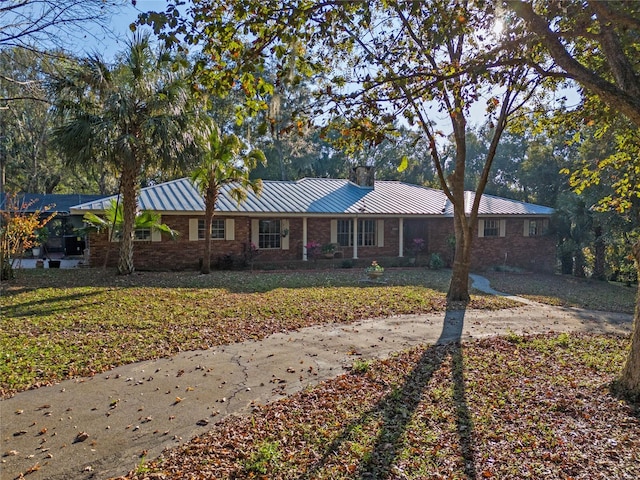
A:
133,115
225,161
113,220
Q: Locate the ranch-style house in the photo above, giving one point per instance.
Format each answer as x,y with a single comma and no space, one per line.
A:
362,217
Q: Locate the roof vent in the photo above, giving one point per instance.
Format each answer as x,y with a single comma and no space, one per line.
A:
363,176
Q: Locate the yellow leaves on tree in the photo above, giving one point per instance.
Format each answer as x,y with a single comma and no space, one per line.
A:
18,231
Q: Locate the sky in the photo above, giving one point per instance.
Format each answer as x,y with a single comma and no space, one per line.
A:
108,44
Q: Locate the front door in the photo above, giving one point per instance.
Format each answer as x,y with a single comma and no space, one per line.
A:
414,230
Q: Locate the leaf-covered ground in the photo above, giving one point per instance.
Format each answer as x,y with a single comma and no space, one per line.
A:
58,324
566,291
505,408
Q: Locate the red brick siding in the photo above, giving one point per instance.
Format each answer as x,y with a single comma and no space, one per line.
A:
531,253
514,249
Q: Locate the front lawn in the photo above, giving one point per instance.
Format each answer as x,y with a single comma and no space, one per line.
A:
58,324
566,291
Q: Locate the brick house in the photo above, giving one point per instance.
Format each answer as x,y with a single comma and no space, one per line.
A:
363,217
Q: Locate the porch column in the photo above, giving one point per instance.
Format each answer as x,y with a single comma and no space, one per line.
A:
304,239
355,238
401,237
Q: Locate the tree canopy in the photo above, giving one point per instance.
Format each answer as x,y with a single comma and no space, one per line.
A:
134,114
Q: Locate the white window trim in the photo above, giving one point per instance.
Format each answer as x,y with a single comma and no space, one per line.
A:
543,226
229,230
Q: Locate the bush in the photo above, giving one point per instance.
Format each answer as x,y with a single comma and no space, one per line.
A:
436,262
225,262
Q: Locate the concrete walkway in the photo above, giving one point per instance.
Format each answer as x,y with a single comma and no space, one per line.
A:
64,262
100,427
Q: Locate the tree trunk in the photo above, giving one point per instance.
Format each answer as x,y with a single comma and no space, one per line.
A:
579,264
600,258
566,258
129,205
459,286
630,378
211,195
622,97
206,257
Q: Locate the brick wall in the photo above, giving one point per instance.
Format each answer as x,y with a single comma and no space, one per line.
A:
536,254
530,253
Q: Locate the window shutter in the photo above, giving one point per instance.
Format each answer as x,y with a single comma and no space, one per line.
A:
525,232
193,229
503,228
480,228
255,231
380,232
229,229
334,231
156,235
284,242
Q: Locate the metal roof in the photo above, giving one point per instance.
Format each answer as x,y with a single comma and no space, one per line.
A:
318,196
492,205
61,203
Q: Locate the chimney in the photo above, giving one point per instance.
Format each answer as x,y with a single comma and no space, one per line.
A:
363,176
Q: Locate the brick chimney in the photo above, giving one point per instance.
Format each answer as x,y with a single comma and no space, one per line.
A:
363,176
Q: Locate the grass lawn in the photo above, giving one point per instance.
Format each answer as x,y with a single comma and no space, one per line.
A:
58,324
506,408
566,291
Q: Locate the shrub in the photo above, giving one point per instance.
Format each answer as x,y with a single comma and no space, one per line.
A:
436,262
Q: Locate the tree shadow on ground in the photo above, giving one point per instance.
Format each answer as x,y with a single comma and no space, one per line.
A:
398,408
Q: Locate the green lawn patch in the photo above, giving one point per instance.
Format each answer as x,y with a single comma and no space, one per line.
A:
66,323
566,291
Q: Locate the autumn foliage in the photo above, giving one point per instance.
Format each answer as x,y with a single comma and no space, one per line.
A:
18,232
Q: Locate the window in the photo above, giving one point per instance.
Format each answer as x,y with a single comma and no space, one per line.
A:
491,228
345,237
139,235
536,228
269,234
142,234
217,229
366,233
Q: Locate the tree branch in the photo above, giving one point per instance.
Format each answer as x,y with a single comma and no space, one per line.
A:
626,102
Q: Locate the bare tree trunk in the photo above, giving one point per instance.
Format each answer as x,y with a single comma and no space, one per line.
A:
600,258
459,286
630,378
125,259
206,258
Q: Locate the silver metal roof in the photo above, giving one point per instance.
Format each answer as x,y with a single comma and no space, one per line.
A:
492,205
319,196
